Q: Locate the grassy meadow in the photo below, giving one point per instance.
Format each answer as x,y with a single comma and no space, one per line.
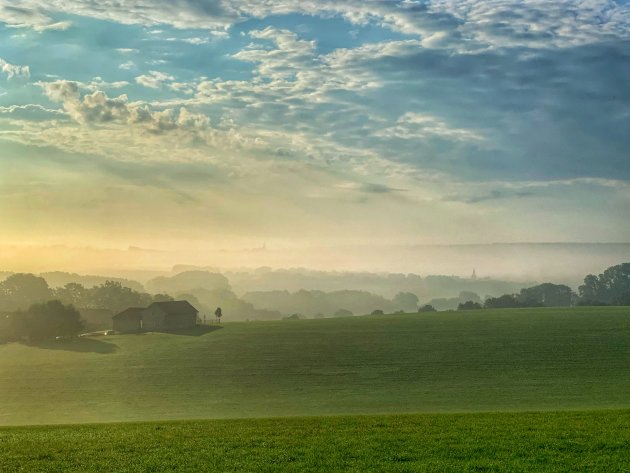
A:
512,360
514,442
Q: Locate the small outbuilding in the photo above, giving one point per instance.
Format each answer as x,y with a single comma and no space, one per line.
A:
168,315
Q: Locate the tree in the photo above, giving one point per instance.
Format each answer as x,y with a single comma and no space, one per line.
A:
548,295
377,312
116,297
47,321
505,301
610,287
466,296
469,305
591,288
427,308
73,293
343,313
406,301
218,314
19,291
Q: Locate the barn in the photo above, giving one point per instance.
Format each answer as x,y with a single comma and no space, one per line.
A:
168,315
129,320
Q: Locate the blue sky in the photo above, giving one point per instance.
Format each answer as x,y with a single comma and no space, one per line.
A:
303,122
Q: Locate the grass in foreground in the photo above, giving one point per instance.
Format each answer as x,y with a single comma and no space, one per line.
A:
514,442
512,360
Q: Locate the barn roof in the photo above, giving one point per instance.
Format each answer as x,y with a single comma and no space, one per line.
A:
175,307
130,313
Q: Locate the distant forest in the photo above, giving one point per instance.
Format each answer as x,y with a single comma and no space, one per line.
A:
94,299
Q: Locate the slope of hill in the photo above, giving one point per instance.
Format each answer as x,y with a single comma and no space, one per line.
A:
526,359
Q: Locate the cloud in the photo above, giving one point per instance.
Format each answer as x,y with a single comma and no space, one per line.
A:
488,192
34,112
369,188
425,104
13,71
97,108
494,194
538,23
61,90
464,25
97,83
291,55
31,15
420,126
373,188
154,79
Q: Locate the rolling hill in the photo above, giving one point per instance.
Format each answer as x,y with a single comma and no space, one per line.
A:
512,360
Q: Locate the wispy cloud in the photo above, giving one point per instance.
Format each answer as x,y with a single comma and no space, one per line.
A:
12,71
154,79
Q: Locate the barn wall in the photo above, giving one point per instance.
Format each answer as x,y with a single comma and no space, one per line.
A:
153,319
182,321
126,325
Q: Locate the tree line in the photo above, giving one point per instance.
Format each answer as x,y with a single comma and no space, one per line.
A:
29,308
612,287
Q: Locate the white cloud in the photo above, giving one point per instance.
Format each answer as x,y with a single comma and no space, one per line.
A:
31,112
421,126
97,108
154,79
127,66
156,62
127,50
538,23
29,15
12,70
98,83
497,23
196,41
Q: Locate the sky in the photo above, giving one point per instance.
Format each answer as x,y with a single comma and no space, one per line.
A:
208,124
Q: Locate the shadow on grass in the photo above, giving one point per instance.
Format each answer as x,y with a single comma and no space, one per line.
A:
84,345
197,331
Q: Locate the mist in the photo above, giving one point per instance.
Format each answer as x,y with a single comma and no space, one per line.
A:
565,263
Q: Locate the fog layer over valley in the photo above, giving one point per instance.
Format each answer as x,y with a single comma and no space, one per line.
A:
267,294
564,263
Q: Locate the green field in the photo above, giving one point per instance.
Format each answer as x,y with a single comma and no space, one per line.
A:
515,360
507,442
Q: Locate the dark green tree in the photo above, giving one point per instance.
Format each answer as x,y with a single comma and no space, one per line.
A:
469,305
548,295
427,308
610,287
19,291
505,301
47,321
